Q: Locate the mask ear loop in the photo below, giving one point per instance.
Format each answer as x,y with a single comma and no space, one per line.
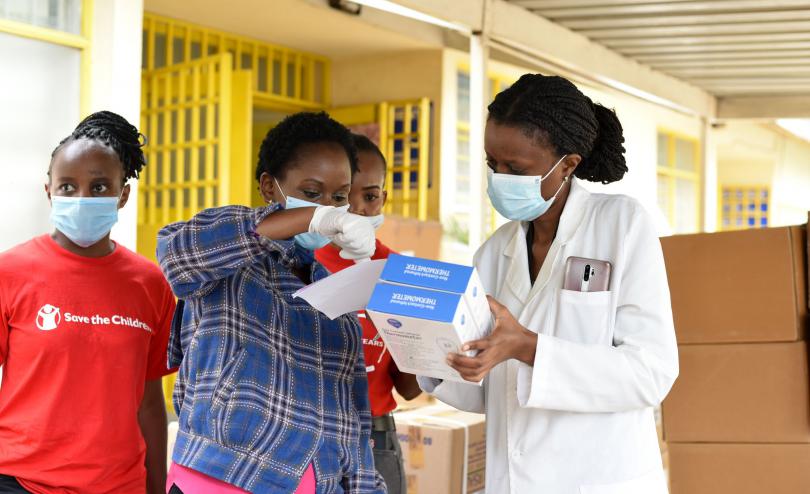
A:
565,179
280,190
553,167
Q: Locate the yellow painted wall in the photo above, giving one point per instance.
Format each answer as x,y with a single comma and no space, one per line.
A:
390,77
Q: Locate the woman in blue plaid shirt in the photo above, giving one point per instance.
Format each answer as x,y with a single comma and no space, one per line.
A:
271,395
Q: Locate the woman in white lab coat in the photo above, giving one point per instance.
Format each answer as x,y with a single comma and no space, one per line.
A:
571,378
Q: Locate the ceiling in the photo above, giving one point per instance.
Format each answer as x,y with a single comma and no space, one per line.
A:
308,26
727,47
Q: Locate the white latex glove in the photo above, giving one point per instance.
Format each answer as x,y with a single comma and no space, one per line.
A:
353,233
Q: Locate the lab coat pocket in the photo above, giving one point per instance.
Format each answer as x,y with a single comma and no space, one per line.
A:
584,317
653,482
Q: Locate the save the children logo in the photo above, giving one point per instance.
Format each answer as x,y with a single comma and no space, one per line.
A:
48,317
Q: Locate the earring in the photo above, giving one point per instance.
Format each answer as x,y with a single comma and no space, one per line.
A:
565,179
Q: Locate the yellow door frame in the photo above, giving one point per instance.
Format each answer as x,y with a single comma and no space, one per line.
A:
282,78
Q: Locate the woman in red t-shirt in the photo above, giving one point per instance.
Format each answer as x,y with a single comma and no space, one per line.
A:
84,326
367,198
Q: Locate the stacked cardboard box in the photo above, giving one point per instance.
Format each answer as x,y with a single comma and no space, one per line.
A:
444,450
411,236
737,420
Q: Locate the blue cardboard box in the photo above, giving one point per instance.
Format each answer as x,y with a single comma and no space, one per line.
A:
441,276
426,309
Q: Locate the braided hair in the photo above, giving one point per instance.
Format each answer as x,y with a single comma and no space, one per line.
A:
364,144
280,147
113,131
553,110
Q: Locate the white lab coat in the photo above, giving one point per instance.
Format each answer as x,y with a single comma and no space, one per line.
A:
580,421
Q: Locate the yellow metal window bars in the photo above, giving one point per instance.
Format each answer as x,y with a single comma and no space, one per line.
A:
282,77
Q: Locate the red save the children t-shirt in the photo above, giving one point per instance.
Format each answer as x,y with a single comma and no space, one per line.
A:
379,364
79,337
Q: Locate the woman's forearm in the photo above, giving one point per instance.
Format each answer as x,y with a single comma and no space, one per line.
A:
285,223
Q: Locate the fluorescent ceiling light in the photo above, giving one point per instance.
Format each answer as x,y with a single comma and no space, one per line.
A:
800,127
395,8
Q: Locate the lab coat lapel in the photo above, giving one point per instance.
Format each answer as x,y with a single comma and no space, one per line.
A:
569,222
517,272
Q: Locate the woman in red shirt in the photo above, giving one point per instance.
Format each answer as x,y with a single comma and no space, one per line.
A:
367,198
84,325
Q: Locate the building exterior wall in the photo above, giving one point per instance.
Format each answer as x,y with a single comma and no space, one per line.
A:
36,116
405,75
758,154
116,83
42,94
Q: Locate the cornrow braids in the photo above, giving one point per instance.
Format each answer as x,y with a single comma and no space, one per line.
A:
113,131
279,149
553,110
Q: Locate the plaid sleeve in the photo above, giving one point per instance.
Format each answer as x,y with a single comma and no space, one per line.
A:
157,365
213,245
363,477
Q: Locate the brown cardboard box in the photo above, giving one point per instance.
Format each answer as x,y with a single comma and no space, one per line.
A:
434,441
757,393
420,401
739,468
408,235
737,287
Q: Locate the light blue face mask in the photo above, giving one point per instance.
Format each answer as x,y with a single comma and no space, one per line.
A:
308,240
84,220
518,197
376,221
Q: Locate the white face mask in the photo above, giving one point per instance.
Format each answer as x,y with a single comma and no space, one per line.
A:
376,221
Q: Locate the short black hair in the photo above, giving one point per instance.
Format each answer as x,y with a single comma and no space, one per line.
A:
113,131
281,145
556,112
364,144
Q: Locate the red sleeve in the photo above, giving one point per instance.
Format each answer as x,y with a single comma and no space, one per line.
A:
382,252
4,330
157,365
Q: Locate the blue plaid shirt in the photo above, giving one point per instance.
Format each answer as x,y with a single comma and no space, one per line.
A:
267,384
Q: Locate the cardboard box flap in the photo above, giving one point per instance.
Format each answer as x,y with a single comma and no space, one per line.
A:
742,286
440,416
427,273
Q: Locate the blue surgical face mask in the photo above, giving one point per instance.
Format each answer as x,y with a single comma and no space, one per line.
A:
518,197
308,240
84,220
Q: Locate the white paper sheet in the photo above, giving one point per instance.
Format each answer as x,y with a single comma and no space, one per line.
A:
345,291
